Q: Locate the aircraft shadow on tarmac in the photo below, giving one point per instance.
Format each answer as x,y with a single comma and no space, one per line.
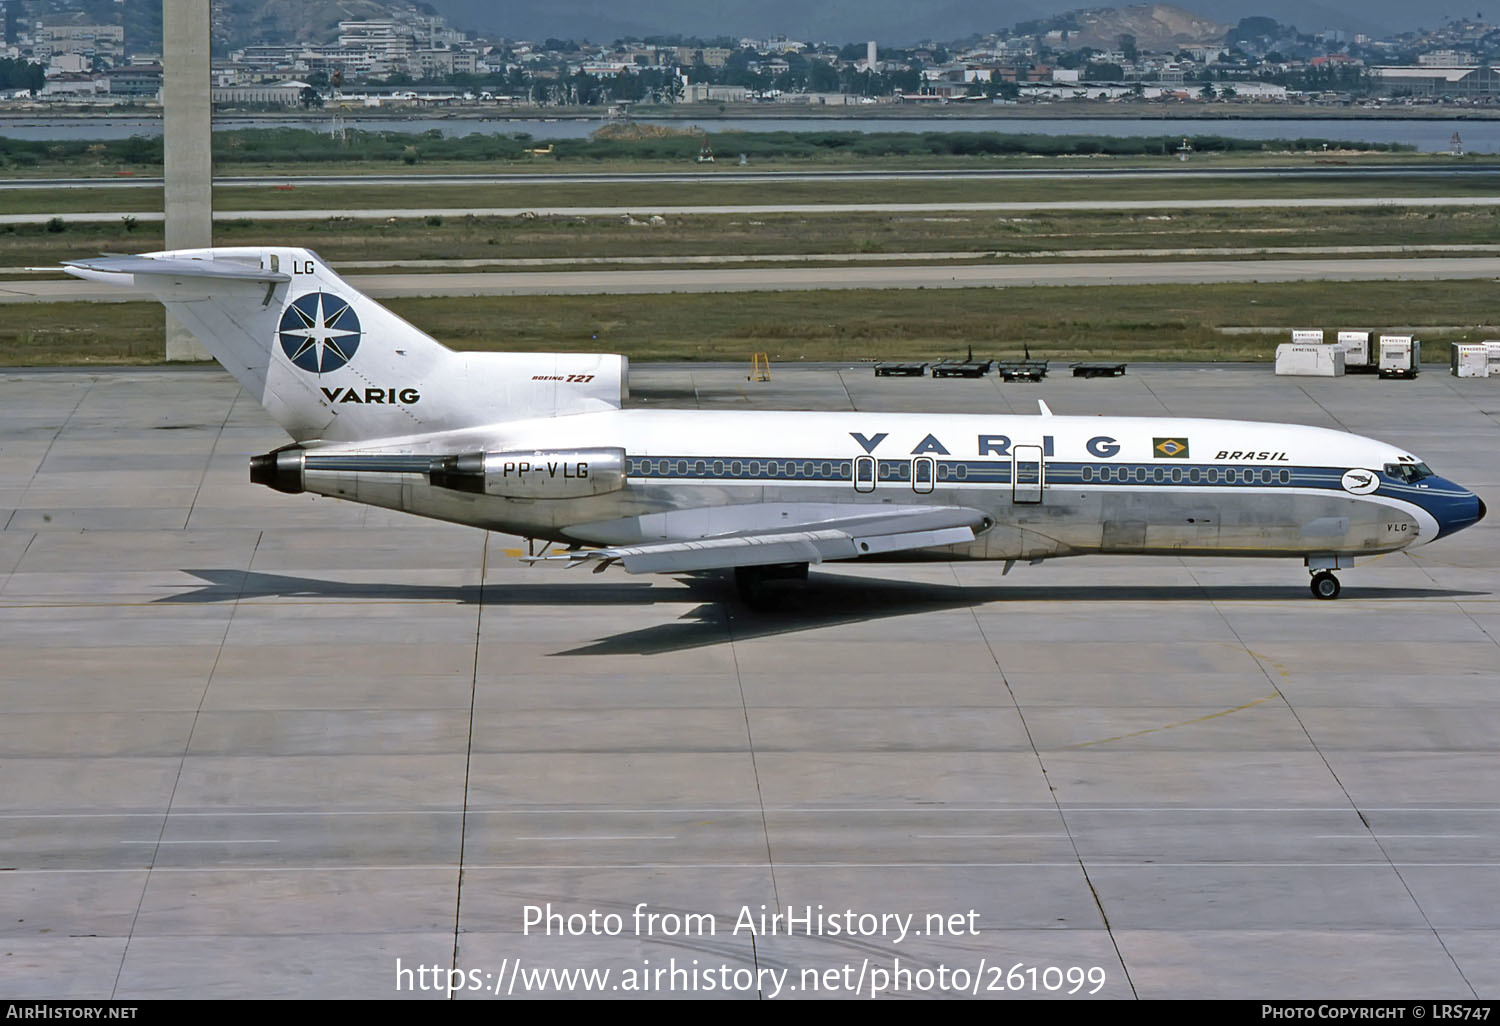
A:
717,616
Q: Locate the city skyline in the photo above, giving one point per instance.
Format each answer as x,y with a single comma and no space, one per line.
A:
890,22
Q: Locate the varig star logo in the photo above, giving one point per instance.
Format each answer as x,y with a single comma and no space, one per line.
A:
319,332
1169,448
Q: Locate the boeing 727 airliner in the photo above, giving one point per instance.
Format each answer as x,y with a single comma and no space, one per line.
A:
540,445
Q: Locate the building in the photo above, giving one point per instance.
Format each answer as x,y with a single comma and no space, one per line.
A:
431,63
134,82
713,56
70,86
1447,59
107,41
1452,82
68,64
386,38
282,94
603,69
10,21
702,92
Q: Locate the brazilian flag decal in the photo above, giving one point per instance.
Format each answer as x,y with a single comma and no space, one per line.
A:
1169,448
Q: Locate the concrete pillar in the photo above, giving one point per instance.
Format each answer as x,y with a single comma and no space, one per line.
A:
189,172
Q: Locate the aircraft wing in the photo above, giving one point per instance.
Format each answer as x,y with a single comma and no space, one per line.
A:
864,531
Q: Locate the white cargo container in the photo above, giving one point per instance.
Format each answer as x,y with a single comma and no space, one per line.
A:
1400,356
1301,337
1356,347
1310,361
1470,360
1492,356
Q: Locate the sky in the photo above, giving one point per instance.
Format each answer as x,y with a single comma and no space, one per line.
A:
893,22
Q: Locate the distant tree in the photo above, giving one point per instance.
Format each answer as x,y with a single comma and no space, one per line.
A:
1251,29
1126,43
19,73
822,77
585,90
908,81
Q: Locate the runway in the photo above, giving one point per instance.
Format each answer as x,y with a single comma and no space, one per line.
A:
771,279
259,744
747,177
670,210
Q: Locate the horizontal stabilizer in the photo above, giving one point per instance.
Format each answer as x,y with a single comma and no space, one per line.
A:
221,270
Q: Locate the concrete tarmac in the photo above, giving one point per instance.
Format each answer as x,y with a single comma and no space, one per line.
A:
777,279
267,745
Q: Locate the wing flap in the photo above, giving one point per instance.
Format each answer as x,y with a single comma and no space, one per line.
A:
716,553
860,534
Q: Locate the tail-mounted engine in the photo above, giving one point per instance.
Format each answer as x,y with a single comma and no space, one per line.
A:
534,474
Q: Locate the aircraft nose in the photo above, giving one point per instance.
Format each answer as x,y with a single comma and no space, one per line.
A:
1454,507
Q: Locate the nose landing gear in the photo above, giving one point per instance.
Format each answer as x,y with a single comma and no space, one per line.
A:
1325,585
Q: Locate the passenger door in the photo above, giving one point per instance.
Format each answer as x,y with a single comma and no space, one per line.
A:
1027,474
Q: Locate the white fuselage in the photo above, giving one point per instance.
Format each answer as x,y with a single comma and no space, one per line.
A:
1052,485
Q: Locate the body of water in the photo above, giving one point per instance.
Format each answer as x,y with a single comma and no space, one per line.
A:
1428,136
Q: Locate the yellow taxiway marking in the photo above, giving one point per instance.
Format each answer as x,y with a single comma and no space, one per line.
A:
1173,726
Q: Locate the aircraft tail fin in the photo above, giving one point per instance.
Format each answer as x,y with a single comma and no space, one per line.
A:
331,364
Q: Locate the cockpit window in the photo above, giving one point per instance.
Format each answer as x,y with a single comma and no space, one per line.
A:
1408,472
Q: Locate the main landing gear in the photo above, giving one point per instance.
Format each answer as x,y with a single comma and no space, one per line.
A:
1325,585
760,586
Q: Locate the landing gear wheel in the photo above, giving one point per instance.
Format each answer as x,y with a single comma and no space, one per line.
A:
1325,585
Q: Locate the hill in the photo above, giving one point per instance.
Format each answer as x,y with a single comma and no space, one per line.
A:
1157,27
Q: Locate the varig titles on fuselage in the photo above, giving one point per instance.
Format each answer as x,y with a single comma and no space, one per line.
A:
1099,446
